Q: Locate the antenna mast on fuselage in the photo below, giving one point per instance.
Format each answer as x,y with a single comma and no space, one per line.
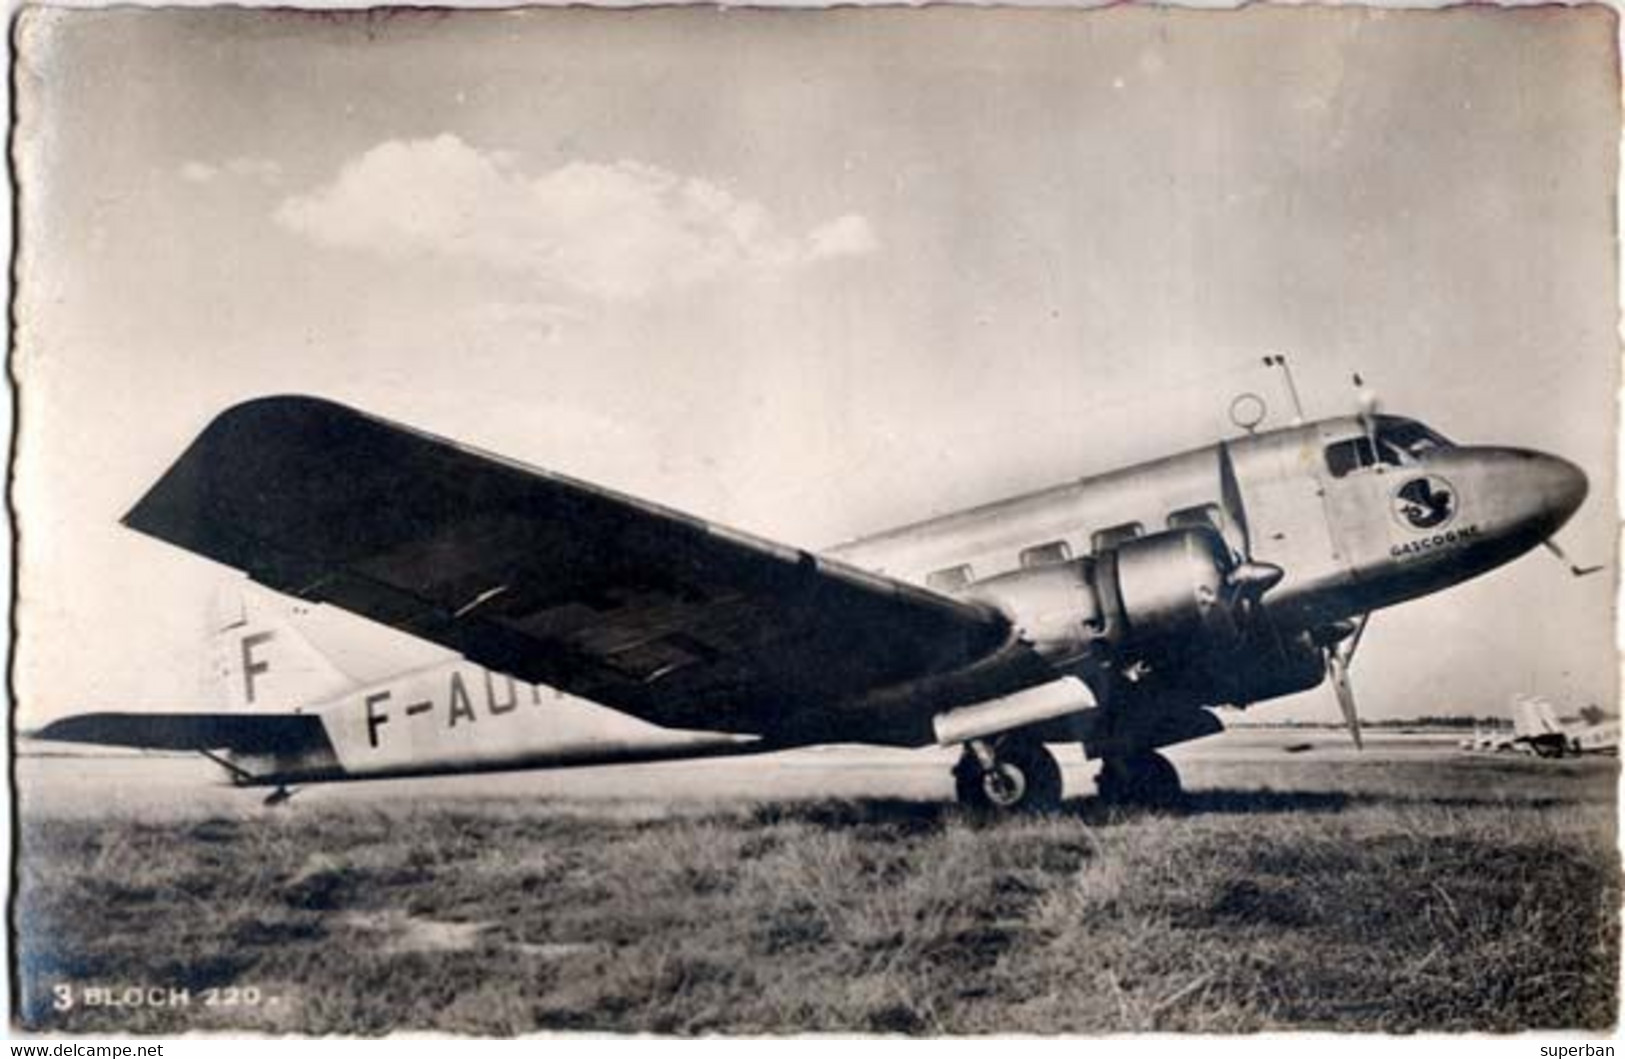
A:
1278,360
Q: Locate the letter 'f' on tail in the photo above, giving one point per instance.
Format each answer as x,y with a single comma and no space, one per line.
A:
257,660
260,671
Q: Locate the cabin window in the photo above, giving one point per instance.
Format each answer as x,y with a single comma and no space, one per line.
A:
1112,536
1346,457
952,579
1203,516
1045,554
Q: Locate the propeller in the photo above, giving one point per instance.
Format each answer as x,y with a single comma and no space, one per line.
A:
1339,657
1249,579
1574,568
1337,667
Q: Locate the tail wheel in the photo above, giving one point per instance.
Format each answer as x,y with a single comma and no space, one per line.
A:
1024,777
1142,779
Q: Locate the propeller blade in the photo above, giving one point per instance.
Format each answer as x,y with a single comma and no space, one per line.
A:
1574,568
1249,580
1235,512
1338,669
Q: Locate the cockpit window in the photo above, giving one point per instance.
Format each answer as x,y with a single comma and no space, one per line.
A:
1408,436
1397,442
1345,457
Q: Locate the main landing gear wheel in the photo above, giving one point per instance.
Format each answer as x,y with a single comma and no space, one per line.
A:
1140,779
1011,777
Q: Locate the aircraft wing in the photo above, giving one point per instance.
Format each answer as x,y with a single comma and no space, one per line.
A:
248,733
554,581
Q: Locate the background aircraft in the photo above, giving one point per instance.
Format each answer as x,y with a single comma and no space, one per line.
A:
1108,611
1492,739
1537,728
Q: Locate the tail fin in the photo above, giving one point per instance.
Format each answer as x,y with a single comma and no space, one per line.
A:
257,659
1523,720
1534,717
1548,717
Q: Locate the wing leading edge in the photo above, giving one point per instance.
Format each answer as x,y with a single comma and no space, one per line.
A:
555,581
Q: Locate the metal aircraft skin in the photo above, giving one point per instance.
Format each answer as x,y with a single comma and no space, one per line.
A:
596,627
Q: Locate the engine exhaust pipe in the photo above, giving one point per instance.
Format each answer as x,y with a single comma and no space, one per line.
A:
1030,706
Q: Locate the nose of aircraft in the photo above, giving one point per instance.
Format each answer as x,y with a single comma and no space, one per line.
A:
1512,500
1554,488
1565,487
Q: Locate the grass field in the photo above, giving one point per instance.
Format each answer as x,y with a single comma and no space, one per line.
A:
1460,893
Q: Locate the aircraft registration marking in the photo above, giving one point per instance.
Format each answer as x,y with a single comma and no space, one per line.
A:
1438,540
501,696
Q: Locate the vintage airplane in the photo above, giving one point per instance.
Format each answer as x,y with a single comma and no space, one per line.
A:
1109,611
1538,730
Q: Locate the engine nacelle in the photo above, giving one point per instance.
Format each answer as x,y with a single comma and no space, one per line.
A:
1169,587
1149,593
1057,608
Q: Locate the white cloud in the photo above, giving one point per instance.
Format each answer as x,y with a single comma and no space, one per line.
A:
243,167
611,231
261,169
843,237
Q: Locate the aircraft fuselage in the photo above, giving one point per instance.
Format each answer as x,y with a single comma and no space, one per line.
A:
1347,543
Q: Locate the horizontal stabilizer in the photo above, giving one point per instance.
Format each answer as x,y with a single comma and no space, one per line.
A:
277,733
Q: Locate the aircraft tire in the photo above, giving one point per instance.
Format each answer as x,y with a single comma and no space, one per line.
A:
1026,779
1146,779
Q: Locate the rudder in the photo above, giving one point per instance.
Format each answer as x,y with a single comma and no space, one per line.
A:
258,660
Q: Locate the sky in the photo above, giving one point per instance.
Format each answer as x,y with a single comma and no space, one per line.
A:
810,274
